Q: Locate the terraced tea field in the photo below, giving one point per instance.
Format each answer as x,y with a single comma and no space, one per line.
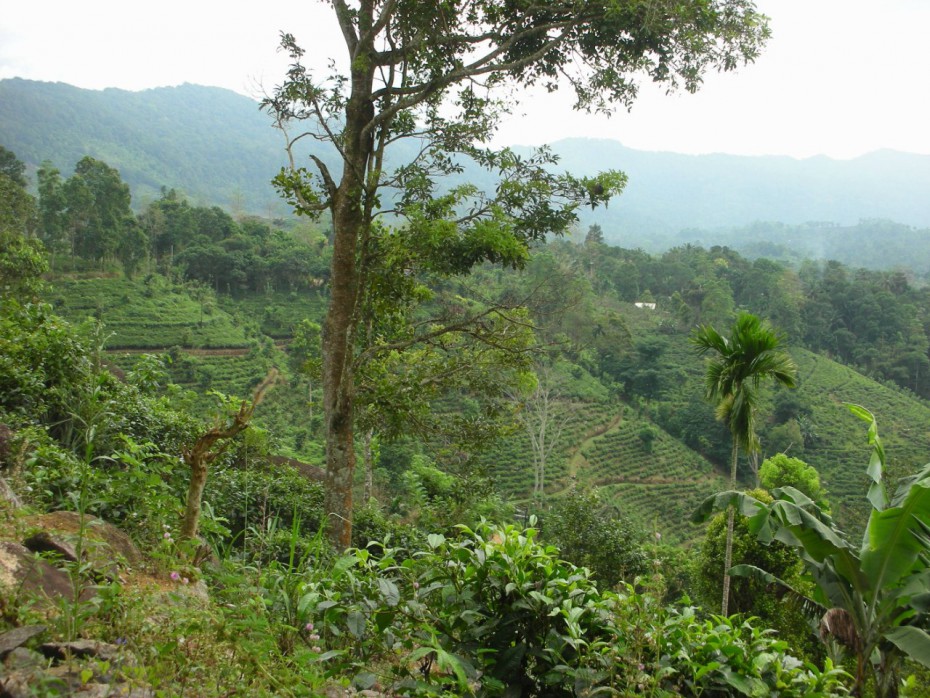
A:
147,315
277,312
841,452
600,443
659,484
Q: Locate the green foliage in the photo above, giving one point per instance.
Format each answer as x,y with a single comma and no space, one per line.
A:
738,365
41,362
137,487
753,597
724,656
782,471
262,503
22,264
873,599
588,533
17,208
493,612
12,168
97,211
22,259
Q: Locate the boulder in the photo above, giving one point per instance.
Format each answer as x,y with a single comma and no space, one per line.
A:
18,637
105,546
21,573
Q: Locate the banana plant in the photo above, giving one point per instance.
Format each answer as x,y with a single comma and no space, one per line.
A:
872,598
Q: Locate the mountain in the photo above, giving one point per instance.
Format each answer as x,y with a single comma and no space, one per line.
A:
218,148
212,144
670,192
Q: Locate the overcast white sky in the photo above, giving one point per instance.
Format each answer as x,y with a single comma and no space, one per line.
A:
839,77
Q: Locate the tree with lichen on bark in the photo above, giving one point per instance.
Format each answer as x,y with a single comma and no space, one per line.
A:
436,76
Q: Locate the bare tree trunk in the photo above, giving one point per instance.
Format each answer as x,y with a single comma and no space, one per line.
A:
728,554
369,464
543,427
208,446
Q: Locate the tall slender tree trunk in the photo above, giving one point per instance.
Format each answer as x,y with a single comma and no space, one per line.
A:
728,554
349,227
191,519
339,378
369,464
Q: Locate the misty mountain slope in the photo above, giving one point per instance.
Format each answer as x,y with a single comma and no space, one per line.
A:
218,148
669,192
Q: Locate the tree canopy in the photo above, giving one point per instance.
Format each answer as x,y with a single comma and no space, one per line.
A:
437,76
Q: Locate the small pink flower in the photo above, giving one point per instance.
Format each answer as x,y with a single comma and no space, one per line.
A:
166,535
314,637
316,649
175,576
416,585
640,667
308,627
184,580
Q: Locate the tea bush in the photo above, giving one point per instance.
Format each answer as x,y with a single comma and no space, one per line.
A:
493,612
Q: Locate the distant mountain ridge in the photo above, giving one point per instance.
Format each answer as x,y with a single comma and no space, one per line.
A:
218,148
213,144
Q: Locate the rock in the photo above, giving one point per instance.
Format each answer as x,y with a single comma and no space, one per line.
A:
27,674
103,651
197,590
22,658
17,637
45,542
7,494
24,575
105,545
31,683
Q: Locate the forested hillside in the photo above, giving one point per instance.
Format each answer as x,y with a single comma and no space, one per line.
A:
216,147
212,144
227,295
160,370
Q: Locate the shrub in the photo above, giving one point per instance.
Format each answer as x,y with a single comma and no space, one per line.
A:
251,498
493,612
750,596
591,534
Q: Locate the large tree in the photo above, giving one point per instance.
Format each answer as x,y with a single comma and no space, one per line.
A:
22,257
421,89
735,371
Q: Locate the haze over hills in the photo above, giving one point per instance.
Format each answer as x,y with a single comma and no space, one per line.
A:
217,147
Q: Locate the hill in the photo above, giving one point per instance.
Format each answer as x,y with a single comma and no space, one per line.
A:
652,459
219,148
671,192
212,144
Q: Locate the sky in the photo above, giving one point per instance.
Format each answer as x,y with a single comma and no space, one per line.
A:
838,78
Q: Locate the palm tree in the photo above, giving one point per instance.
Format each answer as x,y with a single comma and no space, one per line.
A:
741,362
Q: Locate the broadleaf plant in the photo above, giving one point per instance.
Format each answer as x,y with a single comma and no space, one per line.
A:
872,598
